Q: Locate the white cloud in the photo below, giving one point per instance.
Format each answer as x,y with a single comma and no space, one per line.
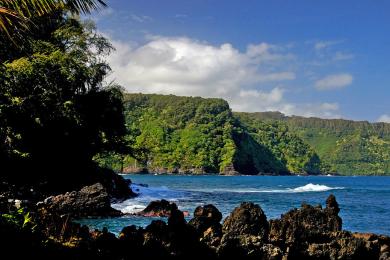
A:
274,96
140,18
384,118
319,45
334,81
340,56
249,80
329,106
188,67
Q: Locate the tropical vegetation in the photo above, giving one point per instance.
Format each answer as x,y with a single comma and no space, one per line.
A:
197,135
55,111
344,146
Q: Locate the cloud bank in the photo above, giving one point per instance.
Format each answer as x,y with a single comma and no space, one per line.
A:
334,81
250,80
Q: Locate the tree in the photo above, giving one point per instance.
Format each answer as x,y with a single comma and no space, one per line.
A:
55,111
15,14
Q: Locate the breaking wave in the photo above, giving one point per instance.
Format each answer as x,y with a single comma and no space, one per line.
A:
306,188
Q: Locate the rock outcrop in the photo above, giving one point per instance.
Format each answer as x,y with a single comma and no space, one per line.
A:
245,233
89,201
207,224
158,208
309,224
116,186
310,232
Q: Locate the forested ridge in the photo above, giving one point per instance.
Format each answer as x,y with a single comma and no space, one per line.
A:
198,135
169,133
344,146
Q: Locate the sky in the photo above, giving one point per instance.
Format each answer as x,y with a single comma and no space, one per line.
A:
328,59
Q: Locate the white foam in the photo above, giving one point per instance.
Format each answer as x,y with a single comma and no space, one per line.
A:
145,196
129,206
148,194
306,188
315,187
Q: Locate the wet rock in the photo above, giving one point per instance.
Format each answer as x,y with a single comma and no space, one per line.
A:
245,232
332,204
315,233
158,208
271,252
176,239
311,232
307,224
212,236
116,186
130,233
384,242
106,244
207,224
176,220
341,245
208,211
205,217
131,239
247,219
89,201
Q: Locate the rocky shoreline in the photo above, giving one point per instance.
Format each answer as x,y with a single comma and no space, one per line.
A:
310,232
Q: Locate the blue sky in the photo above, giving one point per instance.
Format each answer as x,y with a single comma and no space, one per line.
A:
312,58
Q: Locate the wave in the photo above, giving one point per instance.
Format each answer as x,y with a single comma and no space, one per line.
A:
146,194
306,188
315,187
129,206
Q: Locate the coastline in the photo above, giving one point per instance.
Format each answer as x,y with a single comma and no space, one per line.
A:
308,232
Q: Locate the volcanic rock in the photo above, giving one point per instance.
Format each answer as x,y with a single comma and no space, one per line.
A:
89,201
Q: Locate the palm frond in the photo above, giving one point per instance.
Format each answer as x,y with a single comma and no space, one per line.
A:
15,13
84,6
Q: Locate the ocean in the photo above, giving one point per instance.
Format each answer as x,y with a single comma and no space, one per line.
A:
364,200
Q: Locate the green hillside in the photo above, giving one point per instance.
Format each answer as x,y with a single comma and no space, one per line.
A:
197,135
345,146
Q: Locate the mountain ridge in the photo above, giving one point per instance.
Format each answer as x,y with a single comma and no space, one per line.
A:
179,134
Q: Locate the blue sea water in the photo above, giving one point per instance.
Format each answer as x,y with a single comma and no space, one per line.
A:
364,201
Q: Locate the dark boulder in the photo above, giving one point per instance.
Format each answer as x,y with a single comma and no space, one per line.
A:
89,201
205,217
106,244
176,239
246,220
308,224
245,232
207,224
155,240
208,211
332,204
158,208
116,186
176,220
131,239
315,233
341,245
